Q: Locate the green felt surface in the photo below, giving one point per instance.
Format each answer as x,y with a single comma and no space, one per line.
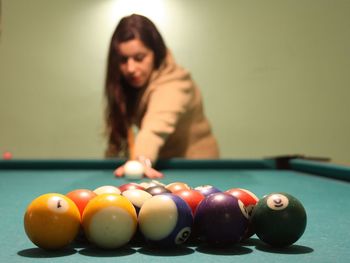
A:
326,238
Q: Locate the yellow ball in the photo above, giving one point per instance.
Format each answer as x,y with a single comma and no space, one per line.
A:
109,221
52,221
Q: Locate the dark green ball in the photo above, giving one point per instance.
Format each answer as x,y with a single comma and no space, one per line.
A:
279,219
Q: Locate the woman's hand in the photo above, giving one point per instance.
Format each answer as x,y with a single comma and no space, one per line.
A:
149,172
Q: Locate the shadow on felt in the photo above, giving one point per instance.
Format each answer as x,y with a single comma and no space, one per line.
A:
94,251
42,253
292,250
174,251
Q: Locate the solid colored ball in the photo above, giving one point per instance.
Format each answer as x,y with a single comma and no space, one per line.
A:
52,221
81,197
177,186
129,186
249,200
133,170
107,189
279,219
191,197
207,190
7,156
157,190
109,221
220,219
137,197
165,220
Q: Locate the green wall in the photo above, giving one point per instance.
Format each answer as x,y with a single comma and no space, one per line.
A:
274,74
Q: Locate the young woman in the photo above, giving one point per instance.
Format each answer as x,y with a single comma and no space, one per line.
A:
145,89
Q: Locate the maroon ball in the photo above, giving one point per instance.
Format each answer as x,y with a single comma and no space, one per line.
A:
130,186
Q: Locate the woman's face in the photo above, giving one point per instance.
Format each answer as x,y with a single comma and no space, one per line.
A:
137,62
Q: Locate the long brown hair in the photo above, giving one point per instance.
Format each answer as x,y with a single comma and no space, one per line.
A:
120,98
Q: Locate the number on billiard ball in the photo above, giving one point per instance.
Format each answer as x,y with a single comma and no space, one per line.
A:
165,220
279,219
249,200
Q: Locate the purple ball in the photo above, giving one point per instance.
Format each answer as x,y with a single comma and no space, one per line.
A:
207,190
220,219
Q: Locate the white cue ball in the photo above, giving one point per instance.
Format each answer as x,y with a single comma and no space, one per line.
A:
133,170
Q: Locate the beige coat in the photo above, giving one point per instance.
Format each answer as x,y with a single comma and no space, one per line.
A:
171,119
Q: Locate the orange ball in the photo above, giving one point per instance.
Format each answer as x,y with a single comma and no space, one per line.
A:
52,221
81,197
177,186
109,221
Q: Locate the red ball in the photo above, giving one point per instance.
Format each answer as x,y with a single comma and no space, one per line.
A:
249,200
81,197
191,197
7,156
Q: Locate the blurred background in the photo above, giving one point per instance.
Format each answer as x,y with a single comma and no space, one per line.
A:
274,74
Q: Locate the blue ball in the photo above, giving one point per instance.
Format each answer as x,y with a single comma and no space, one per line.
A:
207,190
165,220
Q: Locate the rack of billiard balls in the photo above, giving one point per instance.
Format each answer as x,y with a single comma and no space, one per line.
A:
164,216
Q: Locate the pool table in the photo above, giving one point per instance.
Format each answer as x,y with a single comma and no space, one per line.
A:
322,187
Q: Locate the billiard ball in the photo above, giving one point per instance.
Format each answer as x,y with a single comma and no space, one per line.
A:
207,189
191,197
165,220
151,183
137,197
107,189
176,186
220,219
129,186
109,221
81,197
157,190
249,200
52,221
279,219
7,156
133,170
